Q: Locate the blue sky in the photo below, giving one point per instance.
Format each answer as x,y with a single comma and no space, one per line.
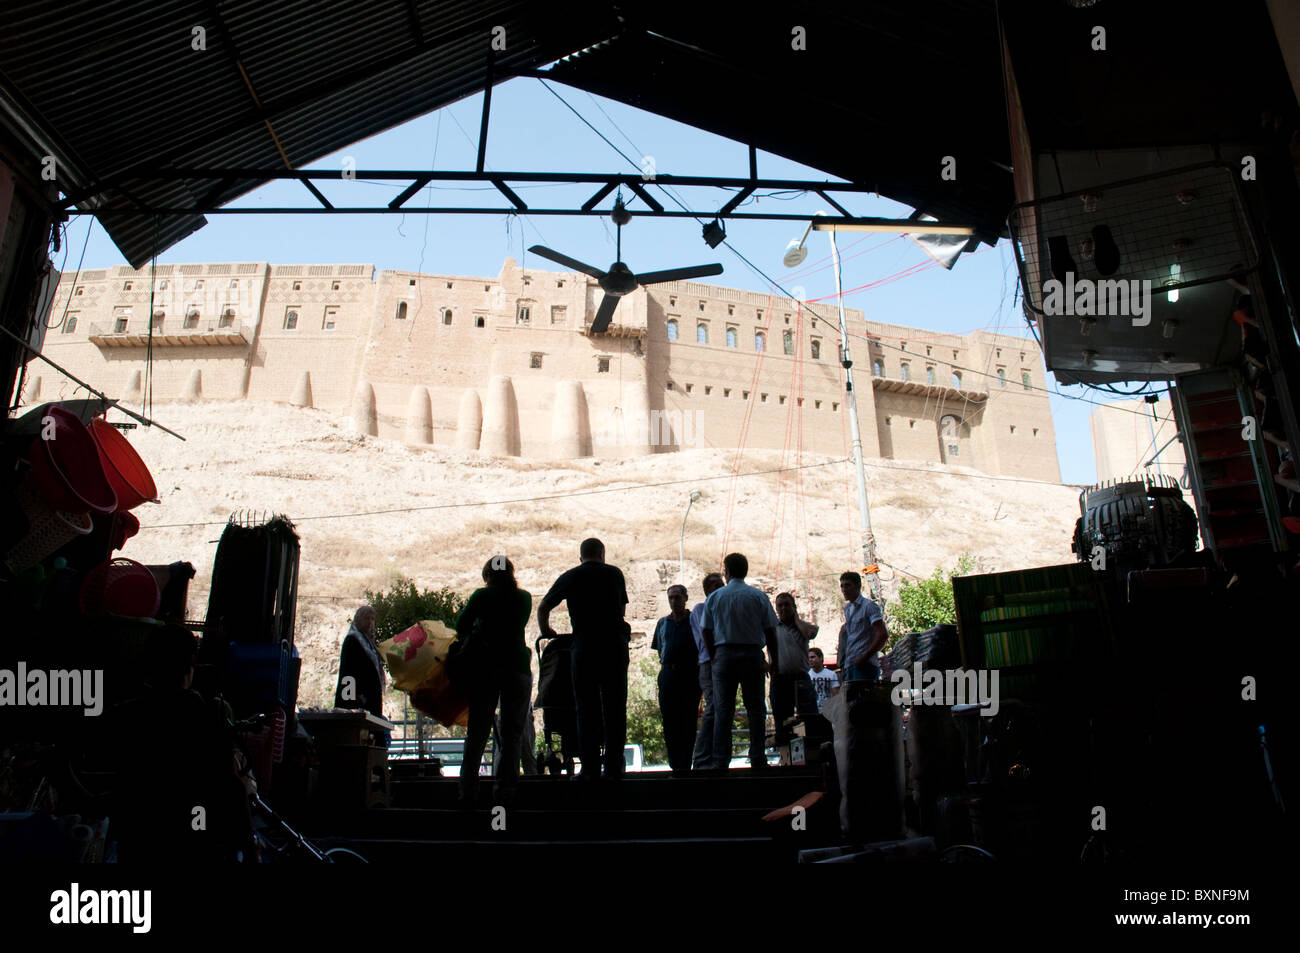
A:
532,130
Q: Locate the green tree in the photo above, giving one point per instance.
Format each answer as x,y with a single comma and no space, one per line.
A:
645,726
924,603
402,606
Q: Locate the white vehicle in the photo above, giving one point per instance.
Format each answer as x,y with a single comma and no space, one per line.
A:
450,751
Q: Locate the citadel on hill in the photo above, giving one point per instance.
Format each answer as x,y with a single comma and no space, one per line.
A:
506,365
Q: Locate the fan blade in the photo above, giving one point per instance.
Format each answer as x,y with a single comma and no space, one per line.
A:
604,314
678,274
573,263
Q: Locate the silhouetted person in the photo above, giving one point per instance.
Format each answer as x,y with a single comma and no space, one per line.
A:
738,621
703,758
861,637
498,669
791,688
361,671
180,797
596,595
679,680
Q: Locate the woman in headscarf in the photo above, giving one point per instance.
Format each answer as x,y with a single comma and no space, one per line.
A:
361,671
498,668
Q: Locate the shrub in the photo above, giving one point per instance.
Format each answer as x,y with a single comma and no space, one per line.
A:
925,603
645,725
402,606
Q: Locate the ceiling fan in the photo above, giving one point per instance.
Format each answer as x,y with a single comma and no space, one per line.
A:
619,279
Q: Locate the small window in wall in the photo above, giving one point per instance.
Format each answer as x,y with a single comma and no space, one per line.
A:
156,322
487,287
787,342
929,375
690,388
1024,379
781,399
119,326
707,390
998,352
787,319
81,291
410,282
670,385
401,311
126,285
1002,377
524,315
480,321
1035,431
559,283
672,302
446,315
816,349
331,318
602,365
902,345
954,355
731,309
297,286
448,285
198,284
956,380
763,397
927,351
952,449
701,334
535,359
701,305
162,285
291,317
726,392
227,318
191,319
835,405
731,337
759,341
878,368
1013,428
70,325
904,371
334,285
759,312
911,425
672,330
559,315
744,395
889,421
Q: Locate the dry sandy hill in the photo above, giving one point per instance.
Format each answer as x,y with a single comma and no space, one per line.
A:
308,465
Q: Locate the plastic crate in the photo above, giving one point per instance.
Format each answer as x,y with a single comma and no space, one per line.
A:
258,675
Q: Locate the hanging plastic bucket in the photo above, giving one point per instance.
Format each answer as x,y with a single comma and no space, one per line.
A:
121,587
66,471
124,527
126,472
48,530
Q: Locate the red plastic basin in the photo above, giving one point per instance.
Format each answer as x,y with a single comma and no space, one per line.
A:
126,472
66,471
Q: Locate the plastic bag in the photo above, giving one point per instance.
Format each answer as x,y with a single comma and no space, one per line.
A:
417,660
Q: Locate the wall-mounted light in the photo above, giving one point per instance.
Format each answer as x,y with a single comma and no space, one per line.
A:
1169,327
1175,273
1090,201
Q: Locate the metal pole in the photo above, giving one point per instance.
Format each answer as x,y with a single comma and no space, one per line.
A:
1151,426
851,398
681,543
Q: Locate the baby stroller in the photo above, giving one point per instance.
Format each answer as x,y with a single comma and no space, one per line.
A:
555,699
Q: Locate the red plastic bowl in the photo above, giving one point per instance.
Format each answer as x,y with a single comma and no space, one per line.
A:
126,472
66,471
121,586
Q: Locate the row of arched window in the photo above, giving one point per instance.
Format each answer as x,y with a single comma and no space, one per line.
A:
760,339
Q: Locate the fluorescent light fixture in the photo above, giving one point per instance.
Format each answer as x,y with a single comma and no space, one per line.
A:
894,225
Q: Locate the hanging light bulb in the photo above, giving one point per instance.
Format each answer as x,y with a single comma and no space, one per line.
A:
1175,274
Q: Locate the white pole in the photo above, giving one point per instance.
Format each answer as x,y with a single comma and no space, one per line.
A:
681,543
851,398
